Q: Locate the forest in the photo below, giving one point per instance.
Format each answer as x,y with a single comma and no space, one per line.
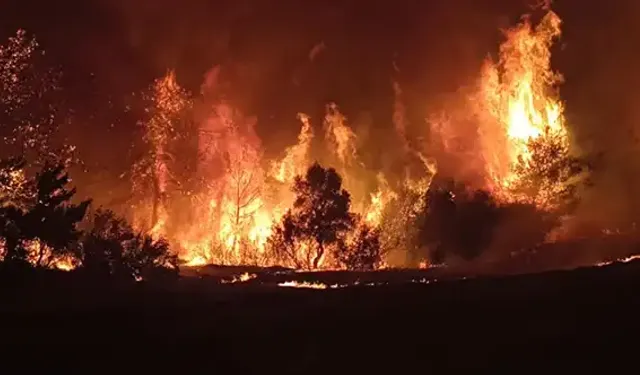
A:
496,194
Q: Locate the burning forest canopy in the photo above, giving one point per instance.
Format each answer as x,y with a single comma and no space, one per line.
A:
493,171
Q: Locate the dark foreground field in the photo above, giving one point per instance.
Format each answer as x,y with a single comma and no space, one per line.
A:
563,321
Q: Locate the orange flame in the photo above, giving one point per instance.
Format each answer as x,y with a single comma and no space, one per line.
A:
517,100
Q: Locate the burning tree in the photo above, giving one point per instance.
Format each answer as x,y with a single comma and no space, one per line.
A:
522,129
551,176
319,219
15,188
244,184
399,227
29,105
152,175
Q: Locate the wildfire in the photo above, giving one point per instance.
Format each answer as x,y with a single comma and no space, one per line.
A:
206,186
518,102
227,215
227,210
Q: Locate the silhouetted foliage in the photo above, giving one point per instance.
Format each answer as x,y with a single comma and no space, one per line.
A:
458,221
319,217
50,219
111,247
363,251
53,218
15,197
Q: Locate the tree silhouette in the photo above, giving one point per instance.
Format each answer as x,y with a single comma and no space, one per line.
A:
111,247
53,218
319,217
11,217
50,220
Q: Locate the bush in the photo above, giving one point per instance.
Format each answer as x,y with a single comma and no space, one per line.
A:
111,247
363,251
458,221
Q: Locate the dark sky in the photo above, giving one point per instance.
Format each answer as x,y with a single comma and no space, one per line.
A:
109,49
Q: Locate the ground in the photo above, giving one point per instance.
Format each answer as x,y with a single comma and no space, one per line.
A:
572,319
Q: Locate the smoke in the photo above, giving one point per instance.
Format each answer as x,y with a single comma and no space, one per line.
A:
600,93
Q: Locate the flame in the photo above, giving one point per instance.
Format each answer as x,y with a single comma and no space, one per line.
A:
241,279
341,138
518,101
239,216
305,285
621,260
230,216
379,200
296,157
39,254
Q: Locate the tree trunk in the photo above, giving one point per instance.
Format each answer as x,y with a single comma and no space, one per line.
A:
319,255
40,254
